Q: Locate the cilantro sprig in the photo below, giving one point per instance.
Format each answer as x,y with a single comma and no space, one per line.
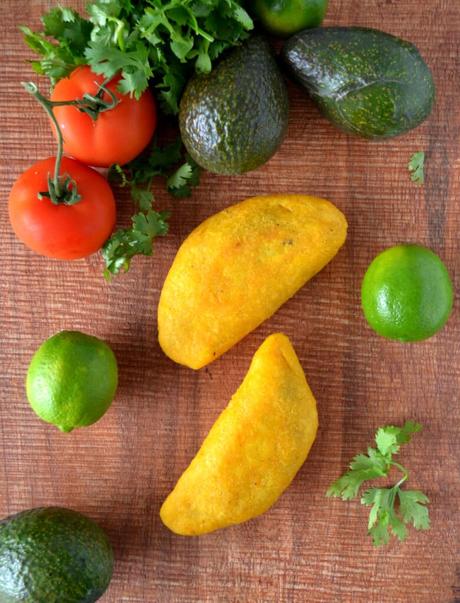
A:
392,508
159,42
61,44
126,243
416,167
147,224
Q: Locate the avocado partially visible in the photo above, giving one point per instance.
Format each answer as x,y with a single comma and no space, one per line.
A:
364,81
53,555
235,118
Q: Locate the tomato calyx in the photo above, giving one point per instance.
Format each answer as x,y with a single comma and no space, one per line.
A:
92,104
65,193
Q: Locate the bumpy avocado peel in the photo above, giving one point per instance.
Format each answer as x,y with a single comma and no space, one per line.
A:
53,555
364,81
235,118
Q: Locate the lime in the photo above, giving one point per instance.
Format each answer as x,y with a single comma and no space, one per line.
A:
407,293
72,380
287,17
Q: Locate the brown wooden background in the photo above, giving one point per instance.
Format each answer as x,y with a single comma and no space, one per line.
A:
307,548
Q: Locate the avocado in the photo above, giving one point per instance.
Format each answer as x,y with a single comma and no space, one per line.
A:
235,118
53,555
364,81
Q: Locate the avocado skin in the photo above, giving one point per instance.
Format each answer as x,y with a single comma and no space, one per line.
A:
53,555
364,81
235,118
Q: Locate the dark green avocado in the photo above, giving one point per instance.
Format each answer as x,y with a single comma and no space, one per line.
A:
53,555
235,118
364,81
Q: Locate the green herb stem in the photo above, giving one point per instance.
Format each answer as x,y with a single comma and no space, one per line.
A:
403,471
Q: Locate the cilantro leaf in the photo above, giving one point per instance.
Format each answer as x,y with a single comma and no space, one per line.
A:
386,440
379,532
126,243
71,34
242,16
391,508
134,66
416,167
362,468
102,12
413,510
162,158
407,430
382,516
142,197
65,24
158,161
181,182
389,438
179,179
149,225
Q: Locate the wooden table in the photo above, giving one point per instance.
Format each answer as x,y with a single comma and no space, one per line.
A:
307,548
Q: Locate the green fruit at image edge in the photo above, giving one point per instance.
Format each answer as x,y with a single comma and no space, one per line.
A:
407,293
286,17
72,380
365,81
53,555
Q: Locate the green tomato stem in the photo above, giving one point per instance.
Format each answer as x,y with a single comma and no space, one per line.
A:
64,190
90,104
55,190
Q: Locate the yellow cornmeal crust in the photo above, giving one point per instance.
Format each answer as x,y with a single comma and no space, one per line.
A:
238,267
253,450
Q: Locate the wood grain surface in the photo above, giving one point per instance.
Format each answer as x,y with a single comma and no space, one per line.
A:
307,548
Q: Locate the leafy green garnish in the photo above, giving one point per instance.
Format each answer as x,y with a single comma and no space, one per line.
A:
71,34
126,243
181,182
147,41
170,161
416,167
147,224
391,508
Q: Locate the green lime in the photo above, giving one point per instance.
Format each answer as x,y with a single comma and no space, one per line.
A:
72,380
407,293
287,17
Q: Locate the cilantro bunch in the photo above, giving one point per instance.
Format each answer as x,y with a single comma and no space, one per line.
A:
392,508
159,42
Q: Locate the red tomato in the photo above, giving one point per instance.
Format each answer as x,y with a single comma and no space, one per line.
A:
117,135
62,231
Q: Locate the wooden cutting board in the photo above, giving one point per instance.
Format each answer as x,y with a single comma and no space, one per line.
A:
307,548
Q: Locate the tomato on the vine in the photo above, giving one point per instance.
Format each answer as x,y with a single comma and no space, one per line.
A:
60,230
116,135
